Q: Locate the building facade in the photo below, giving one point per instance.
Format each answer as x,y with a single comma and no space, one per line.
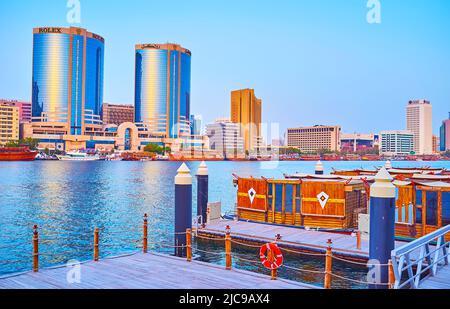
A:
419,121
356,142
394,143
314,139
444,139
117,113
163,89
24,109
196,125
225,138
67,80
9,123
246,110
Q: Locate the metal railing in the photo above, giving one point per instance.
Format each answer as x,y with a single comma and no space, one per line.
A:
421,258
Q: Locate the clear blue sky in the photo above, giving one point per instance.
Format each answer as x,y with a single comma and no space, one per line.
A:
311,61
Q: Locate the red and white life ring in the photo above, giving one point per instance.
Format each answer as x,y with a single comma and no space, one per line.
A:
277,257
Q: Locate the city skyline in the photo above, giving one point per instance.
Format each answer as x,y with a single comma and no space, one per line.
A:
376,68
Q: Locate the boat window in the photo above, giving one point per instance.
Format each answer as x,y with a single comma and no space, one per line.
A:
432,208
289,198
445,208
279,198
270,190
418,205
299,199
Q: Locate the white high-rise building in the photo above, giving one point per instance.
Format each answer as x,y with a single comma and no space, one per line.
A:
224,138
419,120
394,143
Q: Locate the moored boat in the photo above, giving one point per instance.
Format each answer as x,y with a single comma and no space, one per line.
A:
17,154
78,156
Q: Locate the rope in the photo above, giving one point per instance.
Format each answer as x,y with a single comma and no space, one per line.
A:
245,260
303,253
305,270
209,252
358,281
210,238
244,244
356,263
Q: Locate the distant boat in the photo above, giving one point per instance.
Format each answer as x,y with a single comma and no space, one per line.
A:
78,156
17,154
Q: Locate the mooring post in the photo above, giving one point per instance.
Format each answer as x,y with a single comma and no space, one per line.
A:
391,275
96,240
382,228
145,236
388,165
35,249
319,168
228,259
189,245
358,240
183,209
328,265
202,192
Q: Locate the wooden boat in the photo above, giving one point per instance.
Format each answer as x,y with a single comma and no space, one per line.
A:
310,158
17,154
328,204
421,207
333,203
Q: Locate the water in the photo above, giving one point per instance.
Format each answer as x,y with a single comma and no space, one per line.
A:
69,199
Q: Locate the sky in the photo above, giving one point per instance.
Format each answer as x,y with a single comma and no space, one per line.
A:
310,61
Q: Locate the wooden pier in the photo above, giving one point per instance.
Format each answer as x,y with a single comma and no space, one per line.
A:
148,271
291,237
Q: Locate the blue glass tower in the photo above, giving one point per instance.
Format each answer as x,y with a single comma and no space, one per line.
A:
163,89
67,77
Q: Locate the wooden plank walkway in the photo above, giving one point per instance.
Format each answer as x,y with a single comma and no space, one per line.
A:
440,281
148,271
296,238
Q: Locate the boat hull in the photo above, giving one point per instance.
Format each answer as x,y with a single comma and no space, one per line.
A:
18,156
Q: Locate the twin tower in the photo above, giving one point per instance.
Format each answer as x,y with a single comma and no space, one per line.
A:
67,90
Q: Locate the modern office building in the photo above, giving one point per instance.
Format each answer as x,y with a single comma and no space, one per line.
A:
9,123
246,110
356,142
224,138
163,89
24,109
316,138
67,86
395,143
196,124
419,121
117,113
444,139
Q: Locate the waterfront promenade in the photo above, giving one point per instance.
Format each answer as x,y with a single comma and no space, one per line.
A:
148,271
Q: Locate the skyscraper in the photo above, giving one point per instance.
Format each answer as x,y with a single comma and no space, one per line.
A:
163,89
419,121
445,135
246,110
196,125
67,78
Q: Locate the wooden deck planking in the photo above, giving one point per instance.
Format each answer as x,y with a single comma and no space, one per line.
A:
294,237
148,271
440,281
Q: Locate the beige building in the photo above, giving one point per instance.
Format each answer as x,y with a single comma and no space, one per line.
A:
419,121
246,110
117,113
9,123
313,139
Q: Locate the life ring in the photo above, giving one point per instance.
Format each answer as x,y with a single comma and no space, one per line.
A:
274,257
